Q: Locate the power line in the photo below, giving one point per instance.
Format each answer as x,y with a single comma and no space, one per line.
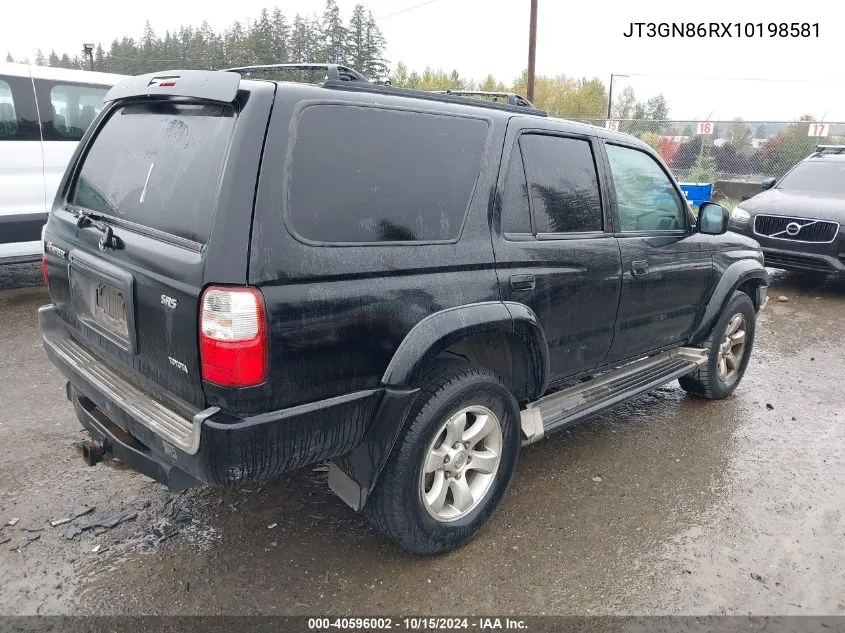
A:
763,79
411,8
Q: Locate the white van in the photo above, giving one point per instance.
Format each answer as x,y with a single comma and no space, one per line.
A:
43,113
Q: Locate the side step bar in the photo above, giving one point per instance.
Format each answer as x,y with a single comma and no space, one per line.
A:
560,409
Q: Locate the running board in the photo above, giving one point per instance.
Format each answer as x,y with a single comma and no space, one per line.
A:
565,407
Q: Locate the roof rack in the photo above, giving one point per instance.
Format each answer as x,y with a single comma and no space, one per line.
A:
334,72
833,149
512,98
443,97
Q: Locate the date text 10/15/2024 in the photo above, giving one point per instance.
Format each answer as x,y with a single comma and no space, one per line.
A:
722,29
418,624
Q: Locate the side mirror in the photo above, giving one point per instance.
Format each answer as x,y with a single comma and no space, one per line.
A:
768,183
713,218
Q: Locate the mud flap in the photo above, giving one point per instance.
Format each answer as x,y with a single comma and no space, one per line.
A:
354,475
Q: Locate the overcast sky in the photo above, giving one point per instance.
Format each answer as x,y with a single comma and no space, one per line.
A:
581,38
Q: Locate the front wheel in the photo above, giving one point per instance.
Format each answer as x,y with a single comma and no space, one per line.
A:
451,465
729,350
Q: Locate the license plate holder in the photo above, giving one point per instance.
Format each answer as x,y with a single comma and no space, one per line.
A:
102,296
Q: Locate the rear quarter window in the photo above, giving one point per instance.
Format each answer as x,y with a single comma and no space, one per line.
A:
368,174
158,165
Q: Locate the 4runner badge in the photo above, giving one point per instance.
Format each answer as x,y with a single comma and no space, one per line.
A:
170,302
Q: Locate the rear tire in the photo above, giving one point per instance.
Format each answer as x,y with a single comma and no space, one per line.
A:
435,493
729,350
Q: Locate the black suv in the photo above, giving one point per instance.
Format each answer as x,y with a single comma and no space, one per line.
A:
249,276
797,219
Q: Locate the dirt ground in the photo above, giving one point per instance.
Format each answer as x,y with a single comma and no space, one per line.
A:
668,505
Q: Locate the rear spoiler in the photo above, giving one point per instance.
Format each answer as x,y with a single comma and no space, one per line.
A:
208,85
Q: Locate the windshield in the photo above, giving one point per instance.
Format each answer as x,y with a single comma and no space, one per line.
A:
821,176
158,165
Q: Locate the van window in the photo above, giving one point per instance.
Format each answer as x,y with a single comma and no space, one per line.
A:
563,184
8,116
367,174
158,165
74,108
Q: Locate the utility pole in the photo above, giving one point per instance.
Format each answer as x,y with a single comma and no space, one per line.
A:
610,94
88,51
532,50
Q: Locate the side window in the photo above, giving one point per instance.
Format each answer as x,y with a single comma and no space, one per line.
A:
516,215
71,109
8,115
370,174
563,184
645,195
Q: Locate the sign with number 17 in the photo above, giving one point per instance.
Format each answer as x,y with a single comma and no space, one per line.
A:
818,129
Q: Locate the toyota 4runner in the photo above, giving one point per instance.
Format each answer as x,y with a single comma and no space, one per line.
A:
249,276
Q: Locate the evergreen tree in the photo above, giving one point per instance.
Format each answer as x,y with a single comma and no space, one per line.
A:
375,66
235,46
260,40
299,40
100,63
356,39
332,34
281,32
270,39
9,58
39,58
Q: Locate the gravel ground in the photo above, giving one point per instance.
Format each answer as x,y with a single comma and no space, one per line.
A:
667,504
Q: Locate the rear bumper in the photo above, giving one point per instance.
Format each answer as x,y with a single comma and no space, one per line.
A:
212,447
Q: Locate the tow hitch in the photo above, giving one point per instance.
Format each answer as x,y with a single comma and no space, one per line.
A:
92,452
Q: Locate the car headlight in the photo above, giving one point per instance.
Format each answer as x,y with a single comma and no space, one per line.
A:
740,215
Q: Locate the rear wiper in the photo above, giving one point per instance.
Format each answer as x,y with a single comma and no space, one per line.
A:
84,218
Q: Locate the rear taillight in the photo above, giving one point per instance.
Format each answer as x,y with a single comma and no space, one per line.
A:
233,337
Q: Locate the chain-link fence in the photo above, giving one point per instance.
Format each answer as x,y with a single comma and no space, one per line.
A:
744,151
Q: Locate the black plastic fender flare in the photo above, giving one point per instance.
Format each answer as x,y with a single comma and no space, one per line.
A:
733,277
353,476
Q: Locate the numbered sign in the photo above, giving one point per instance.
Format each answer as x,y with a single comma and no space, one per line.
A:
612,125
705,127
818,129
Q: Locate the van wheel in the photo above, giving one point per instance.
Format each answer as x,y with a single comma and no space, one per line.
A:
729,350
452,463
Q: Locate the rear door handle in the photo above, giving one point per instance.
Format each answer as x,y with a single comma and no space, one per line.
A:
523,281
639,268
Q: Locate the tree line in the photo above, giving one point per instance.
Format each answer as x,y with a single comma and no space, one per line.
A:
559,95
272,38
359,43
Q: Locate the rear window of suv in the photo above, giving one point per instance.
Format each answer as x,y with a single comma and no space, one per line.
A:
368,174
158,165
